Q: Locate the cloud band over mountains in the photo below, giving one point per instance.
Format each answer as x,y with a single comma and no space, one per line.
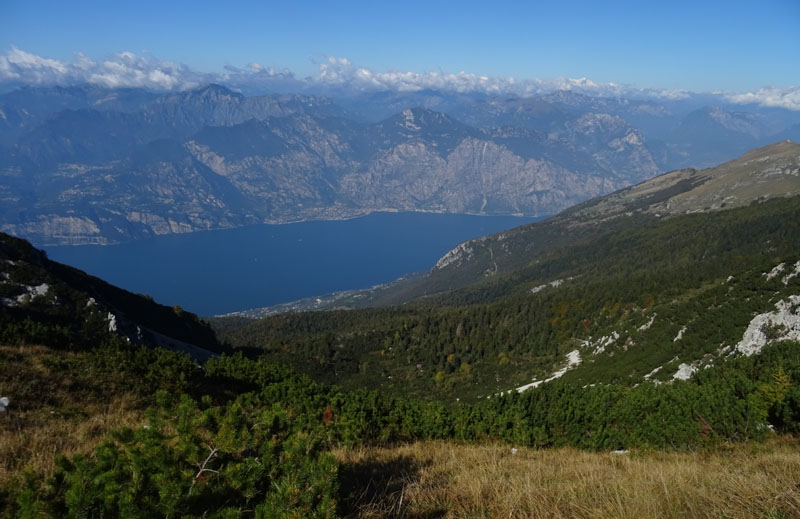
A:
126,69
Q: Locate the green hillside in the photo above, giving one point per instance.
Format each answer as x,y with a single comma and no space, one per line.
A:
643,280
50,303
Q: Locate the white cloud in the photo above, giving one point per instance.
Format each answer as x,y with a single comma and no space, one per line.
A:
342,73
30,68
256,78
123,69
770,96
126,69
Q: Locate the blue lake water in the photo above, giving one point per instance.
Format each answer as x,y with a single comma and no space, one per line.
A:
217,272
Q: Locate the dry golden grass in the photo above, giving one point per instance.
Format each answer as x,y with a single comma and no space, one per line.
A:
72,418
433,479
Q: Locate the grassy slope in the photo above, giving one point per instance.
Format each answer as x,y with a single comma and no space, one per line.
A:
446,480
61,403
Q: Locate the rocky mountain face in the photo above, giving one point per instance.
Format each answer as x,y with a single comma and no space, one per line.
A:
90,165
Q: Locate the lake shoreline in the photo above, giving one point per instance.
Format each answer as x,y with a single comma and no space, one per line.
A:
232,270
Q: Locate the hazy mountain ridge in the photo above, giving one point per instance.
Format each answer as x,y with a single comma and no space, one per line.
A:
91,165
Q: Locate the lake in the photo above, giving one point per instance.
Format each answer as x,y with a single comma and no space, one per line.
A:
217,272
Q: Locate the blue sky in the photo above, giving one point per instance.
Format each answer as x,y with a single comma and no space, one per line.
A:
701,46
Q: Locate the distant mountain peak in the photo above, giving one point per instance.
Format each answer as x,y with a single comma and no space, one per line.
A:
415,118
734,121
410,116
419,118
211,93
216,89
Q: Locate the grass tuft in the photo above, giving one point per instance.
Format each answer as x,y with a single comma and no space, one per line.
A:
447,480
58,406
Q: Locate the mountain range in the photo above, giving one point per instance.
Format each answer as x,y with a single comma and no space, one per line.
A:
92,165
